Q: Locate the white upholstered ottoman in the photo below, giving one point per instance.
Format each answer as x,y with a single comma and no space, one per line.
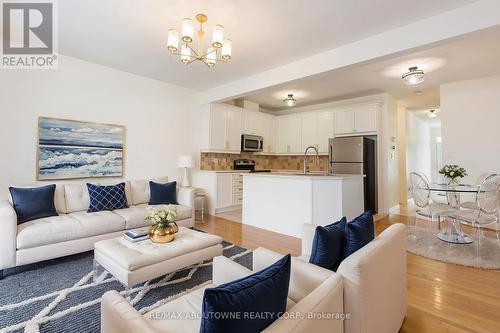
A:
133,263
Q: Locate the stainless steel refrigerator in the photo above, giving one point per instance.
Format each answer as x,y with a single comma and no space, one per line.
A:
356,155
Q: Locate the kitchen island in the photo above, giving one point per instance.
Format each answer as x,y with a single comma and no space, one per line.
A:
282,202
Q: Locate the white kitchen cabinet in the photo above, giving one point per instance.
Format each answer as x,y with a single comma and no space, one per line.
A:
365,117
289,134
309,130
326,129
237,188
233,129
224,190
252,122
224,128
317,128
344,120
269,133
356,119
282,129
262,124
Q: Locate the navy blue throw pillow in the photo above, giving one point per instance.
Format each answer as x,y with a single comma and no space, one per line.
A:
33,203
107,197
359,232
247,305
328,245
163,194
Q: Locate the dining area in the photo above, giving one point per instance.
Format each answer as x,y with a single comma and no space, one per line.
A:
454,221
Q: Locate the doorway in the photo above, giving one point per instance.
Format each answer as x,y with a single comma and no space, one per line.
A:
422,151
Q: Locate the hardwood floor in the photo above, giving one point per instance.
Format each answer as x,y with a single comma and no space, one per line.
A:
442,298
249,237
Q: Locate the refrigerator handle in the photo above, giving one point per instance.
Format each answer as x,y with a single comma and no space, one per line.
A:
330,156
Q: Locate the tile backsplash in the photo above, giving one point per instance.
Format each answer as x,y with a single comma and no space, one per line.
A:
219,161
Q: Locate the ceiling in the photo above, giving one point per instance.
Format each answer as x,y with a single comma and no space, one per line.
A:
470,56
131,35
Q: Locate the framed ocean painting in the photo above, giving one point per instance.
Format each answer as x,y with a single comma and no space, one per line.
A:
69,149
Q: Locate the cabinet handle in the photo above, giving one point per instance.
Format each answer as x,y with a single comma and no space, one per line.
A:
226,144
288,148
269,148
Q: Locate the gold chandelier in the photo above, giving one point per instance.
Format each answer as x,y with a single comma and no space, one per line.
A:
220,49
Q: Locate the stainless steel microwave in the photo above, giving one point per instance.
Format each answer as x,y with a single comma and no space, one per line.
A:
252,143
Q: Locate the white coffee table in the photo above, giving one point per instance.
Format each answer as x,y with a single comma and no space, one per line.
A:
133,263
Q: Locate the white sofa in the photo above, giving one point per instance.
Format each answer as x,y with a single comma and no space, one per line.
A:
374,281
75,230
312,290
369,286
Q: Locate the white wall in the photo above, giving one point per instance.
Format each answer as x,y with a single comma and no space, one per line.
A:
418,145
436,154
389,139
155,114
470,125
401,153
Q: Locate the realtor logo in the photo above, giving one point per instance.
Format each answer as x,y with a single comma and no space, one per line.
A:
28,35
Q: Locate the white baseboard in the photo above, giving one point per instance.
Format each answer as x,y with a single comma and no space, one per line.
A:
227,209
394,209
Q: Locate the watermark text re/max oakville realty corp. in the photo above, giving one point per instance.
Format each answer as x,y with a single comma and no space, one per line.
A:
29,34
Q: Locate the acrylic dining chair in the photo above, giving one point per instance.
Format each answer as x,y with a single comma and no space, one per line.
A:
472,205
487,207
420,191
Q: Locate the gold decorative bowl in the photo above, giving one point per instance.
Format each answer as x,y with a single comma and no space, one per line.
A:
159,234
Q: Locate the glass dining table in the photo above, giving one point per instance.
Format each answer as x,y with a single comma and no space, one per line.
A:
454,233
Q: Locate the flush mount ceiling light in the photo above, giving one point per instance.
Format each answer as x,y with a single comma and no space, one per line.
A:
290,101
219,49
414,76
432,114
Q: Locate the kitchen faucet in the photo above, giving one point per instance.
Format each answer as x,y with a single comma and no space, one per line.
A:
305,157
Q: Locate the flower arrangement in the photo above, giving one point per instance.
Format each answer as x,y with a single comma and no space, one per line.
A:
163,217
453,172
163,226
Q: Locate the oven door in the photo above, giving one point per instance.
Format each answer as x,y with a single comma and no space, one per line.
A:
251,143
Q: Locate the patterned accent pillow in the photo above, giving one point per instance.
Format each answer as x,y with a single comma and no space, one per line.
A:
108,197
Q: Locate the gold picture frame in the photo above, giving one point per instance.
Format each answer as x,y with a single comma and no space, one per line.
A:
96,149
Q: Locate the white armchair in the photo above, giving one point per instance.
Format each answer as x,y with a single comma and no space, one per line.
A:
313,290
374,281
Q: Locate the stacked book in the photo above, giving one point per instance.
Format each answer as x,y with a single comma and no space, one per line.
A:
136,235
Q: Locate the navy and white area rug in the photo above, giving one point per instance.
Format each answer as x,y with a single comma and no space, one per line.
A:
61,295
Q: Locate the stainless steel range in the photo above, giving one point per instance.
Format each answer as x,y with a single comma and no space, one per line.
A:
246,164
